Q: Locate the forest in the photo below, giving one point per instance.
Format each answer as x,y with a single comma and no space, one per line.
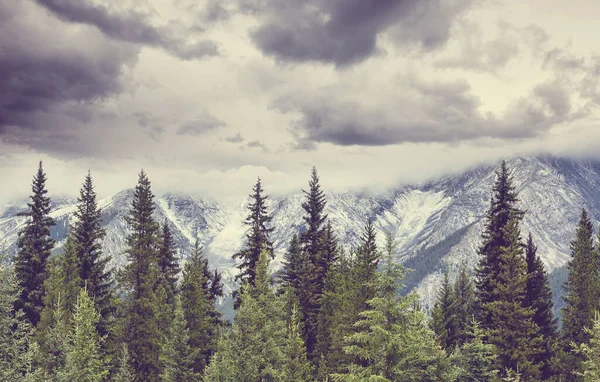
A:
329,315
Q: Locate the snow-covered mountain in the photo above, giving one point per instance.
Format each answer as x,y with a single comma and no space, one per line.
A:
437,224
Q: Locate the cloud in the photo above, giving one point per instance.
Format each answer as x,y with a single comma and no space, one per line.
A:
131,25
235,139
419,111
49,83
200,125
344,32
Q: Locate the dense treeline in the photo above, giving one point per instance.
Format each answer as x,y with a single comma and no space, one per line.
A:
329,315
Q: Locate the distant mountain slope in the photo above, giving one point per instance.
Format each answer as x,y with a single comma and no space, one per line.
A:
436,224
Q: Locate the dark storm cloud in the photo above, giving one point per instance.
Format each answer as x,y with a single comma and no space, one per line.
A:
439,112
44,73
132,26
343,32
203,123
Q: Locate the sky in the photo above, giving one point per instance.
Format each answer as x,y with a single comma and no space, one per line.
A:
206,95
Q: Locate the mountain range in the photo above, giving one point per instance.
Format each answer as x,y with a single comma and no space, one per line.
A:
437,224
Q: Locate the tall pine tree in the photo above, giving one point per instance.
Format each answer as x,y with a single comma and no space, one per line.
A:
34,246
93,264
502,210
139,277
538,297
198,301
257,237
582,291
168,265
444,321
464,308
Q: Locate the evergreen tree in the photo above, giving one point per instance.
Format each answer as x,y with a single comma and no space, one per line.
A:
538,297
365,267
257,237
444,321
84,361
392,342
123,372
582,291
168,265
502,210
34,246
476,359
292,261
511,328
295,365
15,336
179,356
52,341
465,305
139,277
93,265
590,352
198,301
253,350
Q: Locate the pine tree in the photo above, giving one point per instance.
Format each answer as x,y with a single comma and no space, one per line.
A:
444,321
139,278
178,355
392,342
198,301
365,267
123,372
582,291
476,359
465,305
84,361
93,264
590,370
511,328
538,297
292,261
295,365
502,210
34,246
253,350
52,340
14,329
257,237
168,265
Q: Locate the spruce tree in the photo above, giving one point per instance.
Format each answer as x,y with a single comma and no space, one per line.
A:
465,305
295,365
52,340
84,361
168,265
257,237
178,355
365,267
511,327
292,261
123,372
198,301
476,360
93,264
253,350
502,210
589,351
34,246
538,297
444,321
139,277
582,291
15,335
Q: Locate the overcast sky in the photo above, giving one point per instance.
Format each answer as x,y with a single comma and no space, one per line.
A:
206,95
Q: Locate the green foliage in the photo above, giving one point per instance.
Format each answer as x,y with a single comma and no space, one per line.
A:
139,278
92,263
444,321
590,352
257,238
295,366
15,338
198,300
510,327
464,305
34,245
582,291
475,359
538,297
178,356
84,361
168,265
123,372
